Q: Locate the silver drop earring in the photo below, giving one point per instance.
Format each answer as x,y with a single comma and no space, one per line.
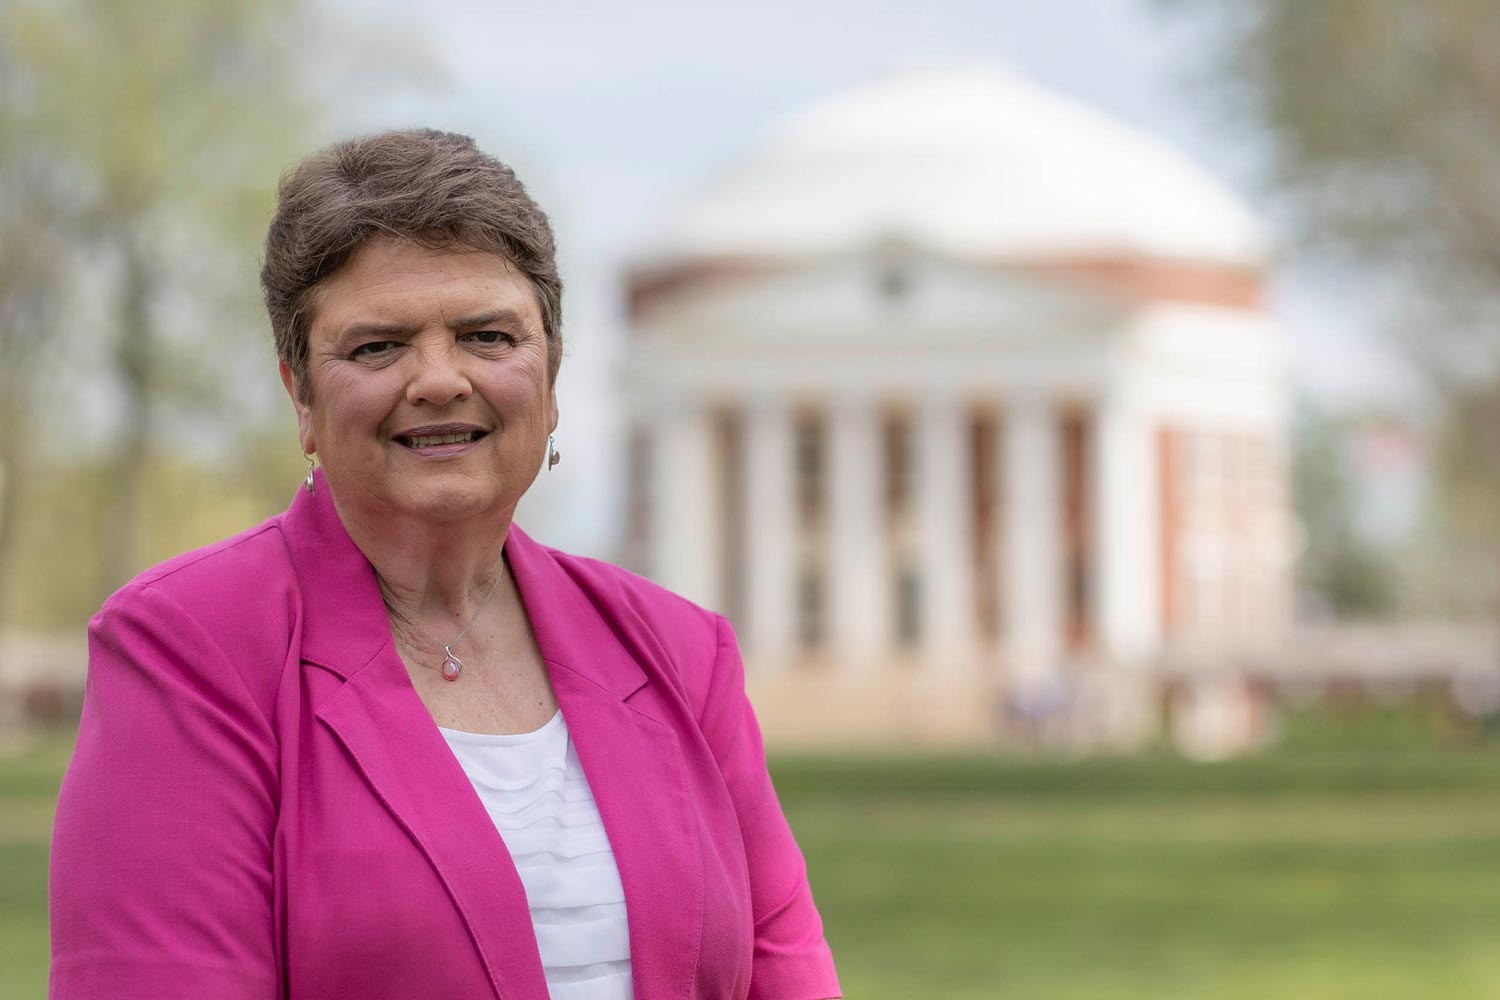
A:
553,455
308,482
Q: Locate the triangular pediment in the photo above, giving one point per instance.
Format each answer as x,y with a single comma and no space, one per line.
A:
902,300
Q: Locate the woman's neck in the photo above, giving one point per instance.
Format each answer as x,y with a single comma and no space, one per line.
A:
431,572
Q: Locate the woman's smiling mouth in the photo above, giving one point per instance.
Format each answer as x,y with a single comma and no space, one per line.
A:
428,442
439,440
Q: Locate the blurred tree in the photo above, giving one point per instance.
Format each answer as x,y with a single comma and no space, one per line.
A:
31,204
1344,574
153,133
1466,501
1384,128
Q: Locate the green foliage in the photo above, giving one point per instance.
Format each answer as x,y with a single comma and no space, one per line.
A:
184,505
1383,122
1350,574
1467,500
140,145
151,136
175,109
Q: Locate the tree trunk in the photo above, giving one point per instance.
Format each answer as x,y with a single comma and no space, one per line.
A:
128,467
12,471
26,322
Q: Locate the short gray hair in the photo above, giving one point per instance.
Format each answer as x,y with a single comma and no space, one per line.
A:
434,188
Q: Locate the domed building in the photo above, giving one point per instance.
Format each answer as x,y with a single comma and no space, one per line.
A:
958,394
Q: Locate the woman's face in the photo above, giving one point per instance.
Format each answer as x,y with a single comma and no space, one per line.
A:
428,378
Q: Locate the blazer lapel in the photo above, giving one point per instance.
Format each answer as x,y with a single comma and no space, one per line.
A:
631,757
634,764
383,724
386,728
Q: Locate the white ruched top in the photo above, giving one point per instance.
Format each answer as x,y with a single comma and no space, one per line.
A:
533,787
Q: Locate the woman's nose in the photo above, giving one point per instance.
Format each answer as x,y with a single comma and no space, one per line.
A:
438,377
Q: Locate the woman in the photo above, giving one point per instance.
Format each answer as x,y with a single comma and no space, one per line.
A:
385,745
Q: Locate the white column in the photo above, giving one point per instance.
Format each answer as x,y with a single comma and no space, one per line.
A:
859,581
770,525
944,492
685,504
1033,540
1126,530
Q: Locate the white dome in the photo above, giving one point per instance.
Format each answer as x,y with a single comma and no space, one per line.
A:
973,161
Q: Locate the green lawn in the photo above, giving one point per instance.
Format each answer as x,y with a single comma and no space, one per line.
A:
1308,874
28,785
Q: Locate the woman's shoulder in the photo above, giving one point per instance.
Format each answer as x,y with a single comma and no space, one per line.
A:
225,610
241,566
673,639
614,588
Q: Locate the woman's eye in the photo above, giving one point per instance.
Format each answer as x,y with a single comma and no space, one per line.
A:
491,337
373,348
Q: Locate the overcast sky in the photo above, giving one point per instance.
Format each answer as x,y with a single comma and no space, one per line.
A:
612,112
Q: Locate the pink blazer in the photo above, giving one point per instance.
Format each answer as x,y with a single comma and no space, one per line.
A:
261,806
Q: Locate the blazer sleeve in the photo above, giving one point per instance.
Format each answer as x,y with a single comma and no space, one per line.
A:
160,880
792,960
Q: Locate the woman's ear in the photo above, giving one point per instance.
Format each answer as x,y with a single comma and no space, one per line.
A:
304,411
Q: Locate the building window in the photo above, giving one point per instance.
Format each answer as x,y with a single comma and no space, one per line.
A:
894,281
893,270
985,514
811,491
729,451
896,432
908,607
809,608
1077,445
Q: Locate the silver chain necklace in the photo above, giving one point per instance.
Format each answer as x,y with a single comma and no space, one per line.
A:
452,665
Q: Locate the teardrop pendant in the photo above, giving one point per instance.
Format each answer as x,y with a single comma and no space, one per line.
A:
451,666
